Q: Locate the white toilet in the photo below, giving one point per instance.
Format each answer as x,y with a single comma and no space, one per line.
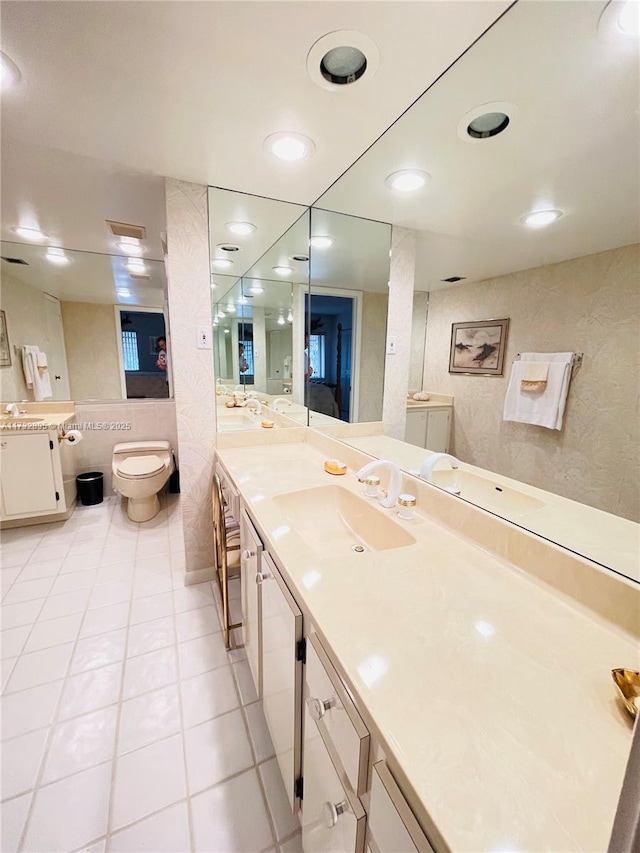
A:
140,469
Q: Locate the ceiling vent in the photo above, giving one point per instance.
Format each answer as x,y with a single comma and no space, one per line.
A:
15,261
454,278
121,229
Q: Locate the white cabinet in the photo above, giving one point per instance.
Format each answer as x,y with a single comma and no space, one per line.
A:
30,475
392,826
282,672
250,554
429,428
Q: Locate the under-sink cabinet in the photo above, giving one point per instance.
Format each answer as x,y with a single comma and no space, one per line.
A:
429,428
251,550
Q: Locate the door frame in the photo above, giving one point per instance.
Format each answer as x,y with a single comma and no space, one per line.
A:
140,309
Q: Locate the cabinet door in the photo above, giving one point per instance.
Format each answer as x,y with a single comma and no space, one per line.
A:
28,474
332,822
416,428
250,595
392,826
438,424
281,672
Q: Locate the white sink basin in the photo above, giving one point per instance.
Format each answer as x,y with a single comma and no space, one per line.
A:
335,522
488,494
21,419
236,420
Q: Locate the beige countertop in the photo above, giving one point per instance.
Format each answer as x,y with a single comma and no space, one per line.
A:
607,539
491,695
45,421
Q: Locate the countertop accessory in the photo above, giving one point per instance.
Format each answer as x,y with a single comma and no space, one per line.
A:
230,404
407,503
335,466
267,424
627,682
372,482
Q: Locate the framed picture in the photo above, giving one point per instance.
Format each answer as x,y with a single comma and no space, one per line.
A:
5,349
478,347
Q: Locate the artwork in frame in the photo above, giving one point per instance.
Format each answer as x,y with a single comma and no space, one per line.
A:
478,347
5,351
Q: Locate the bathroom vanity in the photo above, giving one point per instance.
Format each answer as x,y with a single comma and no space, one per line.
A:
429,689
429,423
38,468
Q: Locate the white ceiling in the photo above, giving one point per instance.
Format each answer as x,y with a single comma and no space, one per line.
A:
87,277
191,89
573,145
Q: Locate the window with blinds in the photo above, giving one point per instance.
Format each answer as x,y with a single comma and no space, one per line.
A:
130,350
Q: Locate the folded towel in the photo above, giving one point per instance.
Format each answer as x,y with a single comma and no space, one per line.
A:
545,409
41,359
36,379
534,376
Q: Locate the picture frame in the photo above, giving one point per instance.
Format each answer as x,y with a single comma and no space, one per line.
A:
5,349
478,347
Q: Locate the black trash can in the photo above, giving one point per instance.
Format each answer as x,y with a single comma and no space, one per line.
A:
90,487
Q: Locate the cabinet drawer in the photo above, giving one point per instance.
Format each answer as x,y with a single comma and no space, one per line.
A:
392,825
229,493
333,821
330,706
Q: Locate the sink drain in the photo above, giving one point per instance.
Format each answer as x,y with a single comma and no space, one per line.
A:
358,549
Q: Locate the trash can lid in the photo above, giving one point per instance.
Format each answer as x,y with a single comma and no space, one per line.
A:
91,475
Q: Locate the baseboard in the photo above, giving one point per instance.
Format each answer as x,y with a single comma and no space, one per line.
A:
199,576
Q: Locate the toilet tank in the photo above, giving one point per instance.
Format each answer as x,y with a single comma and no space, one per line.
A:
129,447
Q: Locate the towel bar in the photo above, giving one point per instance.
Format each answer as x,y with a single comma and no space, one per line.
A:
576,359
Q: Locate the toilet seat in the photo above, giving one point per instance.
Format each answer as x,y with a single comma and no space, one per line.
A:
137,467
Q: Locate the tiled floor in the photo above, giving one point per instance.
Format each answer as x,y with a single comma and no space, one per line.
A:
126,725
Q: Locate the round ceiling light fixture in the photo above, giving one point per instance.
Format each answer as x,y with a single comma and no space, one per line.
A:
227,332
340,59
136,265
487,121
256,289
629,18
34,235
281,270
281,320
57,256
242,229
321,242
130,246
221,263
289,146
228,247
124,293
300,258
9,72
290,316
620,19
540,218
407,180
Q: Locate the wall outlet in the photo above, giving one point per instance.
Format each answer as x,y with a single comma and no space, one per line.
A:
391,345
204,337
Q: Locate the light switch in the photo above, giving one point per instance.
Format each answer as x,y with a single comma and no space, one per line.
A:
391,345
204,337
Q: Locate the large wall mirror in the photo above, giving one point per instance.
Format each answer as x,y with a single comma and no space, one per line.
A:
557,136
98,320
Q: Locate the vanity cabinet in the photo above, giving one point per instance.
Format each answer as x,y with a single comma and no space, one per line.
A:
429,428
392,826
250,555
32,481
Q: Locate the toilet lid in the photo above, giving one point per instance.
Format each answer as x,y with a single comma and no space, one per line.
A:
140,466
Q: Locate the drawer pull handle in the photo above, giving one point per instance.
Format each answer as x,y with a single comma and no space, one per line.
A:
247,555
331,812
262,576
319,707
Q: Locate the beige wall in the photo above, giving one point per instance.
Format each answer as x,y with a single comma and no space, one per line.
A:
374,325
26,324
189,307
92,351
418,340
589,305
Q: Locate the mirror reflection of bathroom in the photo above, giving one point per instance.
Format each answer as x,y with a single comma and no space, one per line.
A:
523,206
347,318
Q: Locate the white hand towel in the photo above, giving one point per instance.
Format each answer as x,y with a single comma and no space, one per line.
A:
534,376
42,359
36,379
546,409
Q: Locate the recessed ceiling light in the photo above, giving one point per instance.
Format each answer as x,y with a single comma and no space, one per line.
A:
242,300
629,18
281,320
227,332
540,218
407,180
241,228
220,315
32,234
281,270
130,246
290,316
319,242
123,292
289,146
221,263
9,72
342,58
256,289
135,265
228,247
343,65
231,308
300,258
213,285
488,125
57,256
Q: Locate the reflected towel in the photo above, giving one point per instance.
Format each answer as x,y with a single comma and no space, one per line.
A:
41,359
546,409
36,379
534,376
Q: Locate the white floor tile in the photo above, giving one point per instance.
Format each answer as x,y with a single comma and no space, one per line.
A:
88,795
151,607
65,604
150,636
105,619
14,816
110,593
40,667
231,818
16,557
244,680
81,563
201,655
90,691
259,731
12,641
150,671
21,759
119,553
15,615
284,821
45,569
28,591
81,743
208,695
115,573
6,669
165,832
99,651
73,581
197,623
29,710
158,563
146,584
50,552
149,718
54,632
147,780
152,547
294,845
192,597
216,750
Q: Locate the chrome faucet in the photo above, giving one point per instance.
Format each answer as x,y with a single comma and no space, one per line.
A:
279,400
12,409
426,469
256,403
395,483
